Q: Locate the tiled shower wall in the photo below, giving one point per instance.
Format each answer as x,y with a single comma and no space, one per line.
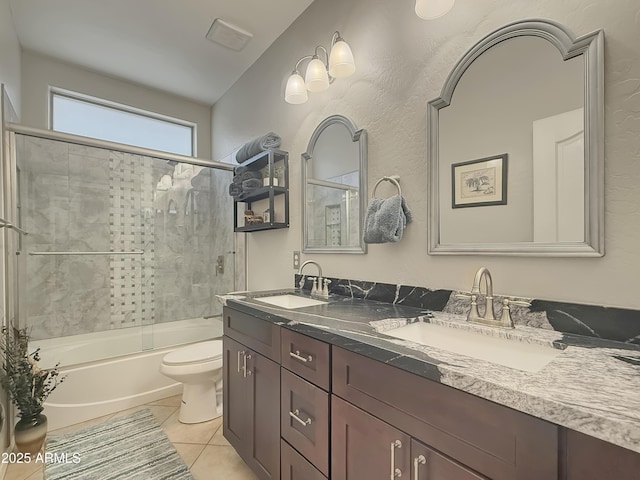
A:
78,198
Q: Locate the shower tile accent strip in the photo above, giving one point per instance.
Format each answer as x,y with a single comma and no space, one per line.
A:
131,229
609,323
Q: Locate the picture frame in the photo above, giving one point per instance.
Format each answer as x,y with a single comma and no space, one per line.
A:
479,183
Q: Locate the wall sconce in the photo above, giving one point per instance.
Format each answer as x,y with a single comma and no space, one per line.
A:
319,74
431,9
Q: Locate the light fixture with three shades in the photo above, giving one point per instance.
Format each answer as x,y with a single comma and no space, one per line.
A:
319,74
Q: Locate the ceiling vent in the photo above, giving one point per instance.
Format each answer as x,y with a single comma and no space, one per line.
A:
228,35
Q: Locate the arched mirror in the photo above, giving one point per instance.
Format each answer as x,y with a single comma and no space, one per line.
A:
334,172
516,146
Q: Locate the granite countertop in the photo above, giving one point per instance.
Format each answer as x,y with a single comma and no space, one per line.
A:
592,386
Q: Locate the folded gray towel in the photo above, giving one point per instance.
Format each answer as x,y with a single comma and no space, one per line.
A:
386,219
251,184
254,147
235,189
249,174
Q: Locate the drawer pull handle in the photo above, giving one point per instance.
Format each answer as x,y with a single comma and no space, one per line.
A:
395,472
298,356
295,416
239,354
419,460
244,366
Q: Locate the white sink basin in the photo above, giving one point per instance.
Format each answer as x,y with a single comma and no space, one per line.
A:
510,353
290,301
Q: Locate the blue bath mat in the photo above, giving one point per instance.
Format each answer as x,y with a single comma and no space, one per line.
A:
131,447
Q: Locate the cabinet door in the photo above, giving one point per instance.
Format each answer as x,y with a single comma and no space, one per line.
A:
251,410
427,464
588,458
237,411
365,448
264,395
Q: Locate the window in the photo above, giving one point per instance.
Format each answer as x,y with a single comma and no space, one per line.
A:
92,117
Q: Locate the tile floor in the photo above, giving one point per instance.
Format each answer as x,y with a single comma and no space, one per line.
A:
202,446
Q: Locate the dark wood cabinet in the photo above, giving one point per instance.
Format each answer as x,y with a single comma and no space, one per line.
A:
304,419
295,467
364,447
236,412
384,421
588,458
306,357
428,464
251,413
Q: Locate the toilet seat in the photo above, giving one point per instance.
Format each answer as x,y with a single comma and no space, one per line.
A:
193,354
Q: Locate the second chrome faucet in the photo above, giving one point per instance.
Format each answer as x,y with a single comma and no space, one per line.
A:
489,318
320,286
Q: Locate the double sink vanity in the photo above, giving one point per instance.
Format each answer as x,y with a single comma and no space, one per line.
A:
348,388
345,388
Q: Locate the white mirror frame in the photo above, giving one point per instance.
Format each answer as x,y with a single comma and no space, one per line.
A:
359,136
591,46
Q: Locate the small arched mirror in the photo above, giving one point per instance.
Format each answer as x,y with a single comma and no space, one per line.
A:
334,172
529,97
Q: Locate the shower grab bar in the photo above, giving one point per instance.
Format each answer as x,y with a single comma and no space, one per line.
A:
4,223
135,252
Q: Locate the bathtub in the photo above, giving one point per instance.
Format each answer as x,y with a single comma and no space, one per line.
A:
107,371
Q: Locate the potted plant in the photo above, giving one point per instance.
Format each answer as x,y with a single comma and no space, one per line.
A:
28,386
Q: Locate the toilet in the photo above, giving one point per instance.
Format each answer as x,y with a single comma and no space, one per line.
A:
199,368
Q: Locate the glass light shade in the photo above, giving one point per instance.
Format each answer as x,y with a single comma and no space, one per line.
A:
430,9
341,62
296,91
316,78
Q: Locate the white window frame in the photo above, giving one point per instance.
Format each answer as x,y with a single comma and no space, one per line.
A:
56,91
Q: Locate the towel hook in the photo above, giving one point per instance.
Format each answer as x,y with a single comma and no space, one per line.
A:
395,179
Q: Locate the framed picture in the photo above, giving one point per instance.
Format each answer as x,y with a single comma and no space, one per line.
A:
481,182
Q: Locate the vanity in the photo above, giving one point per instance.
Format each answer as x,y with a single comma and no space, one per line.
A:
315,393
352,388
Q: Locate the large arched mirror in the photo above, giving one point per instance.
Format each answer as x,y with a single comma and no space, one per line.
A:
516,146
334,172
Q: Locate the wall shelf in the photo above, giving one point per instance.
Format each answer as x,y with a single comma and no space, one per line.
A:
268,159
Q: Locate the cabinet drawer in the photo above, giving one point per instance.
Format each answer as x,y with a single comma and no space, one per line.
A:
496,441
304,419
257,334
427,464
307,357
295,467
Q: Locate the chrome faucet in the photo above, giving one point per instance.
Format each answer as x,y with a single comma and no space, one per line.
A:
317,287
489,317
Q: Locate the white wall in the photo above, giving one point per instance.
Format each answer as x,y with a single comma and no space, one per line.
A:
39,72
402,62
9,55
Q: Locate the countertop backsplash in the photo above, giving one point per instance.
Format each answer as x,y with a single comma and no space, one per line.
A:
618,324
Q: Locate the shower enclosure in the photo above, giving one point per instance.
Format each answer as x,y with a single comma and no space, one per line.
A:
126,248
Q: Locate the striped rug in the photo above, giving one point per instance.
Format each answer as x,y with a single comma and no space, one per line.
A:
131,447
